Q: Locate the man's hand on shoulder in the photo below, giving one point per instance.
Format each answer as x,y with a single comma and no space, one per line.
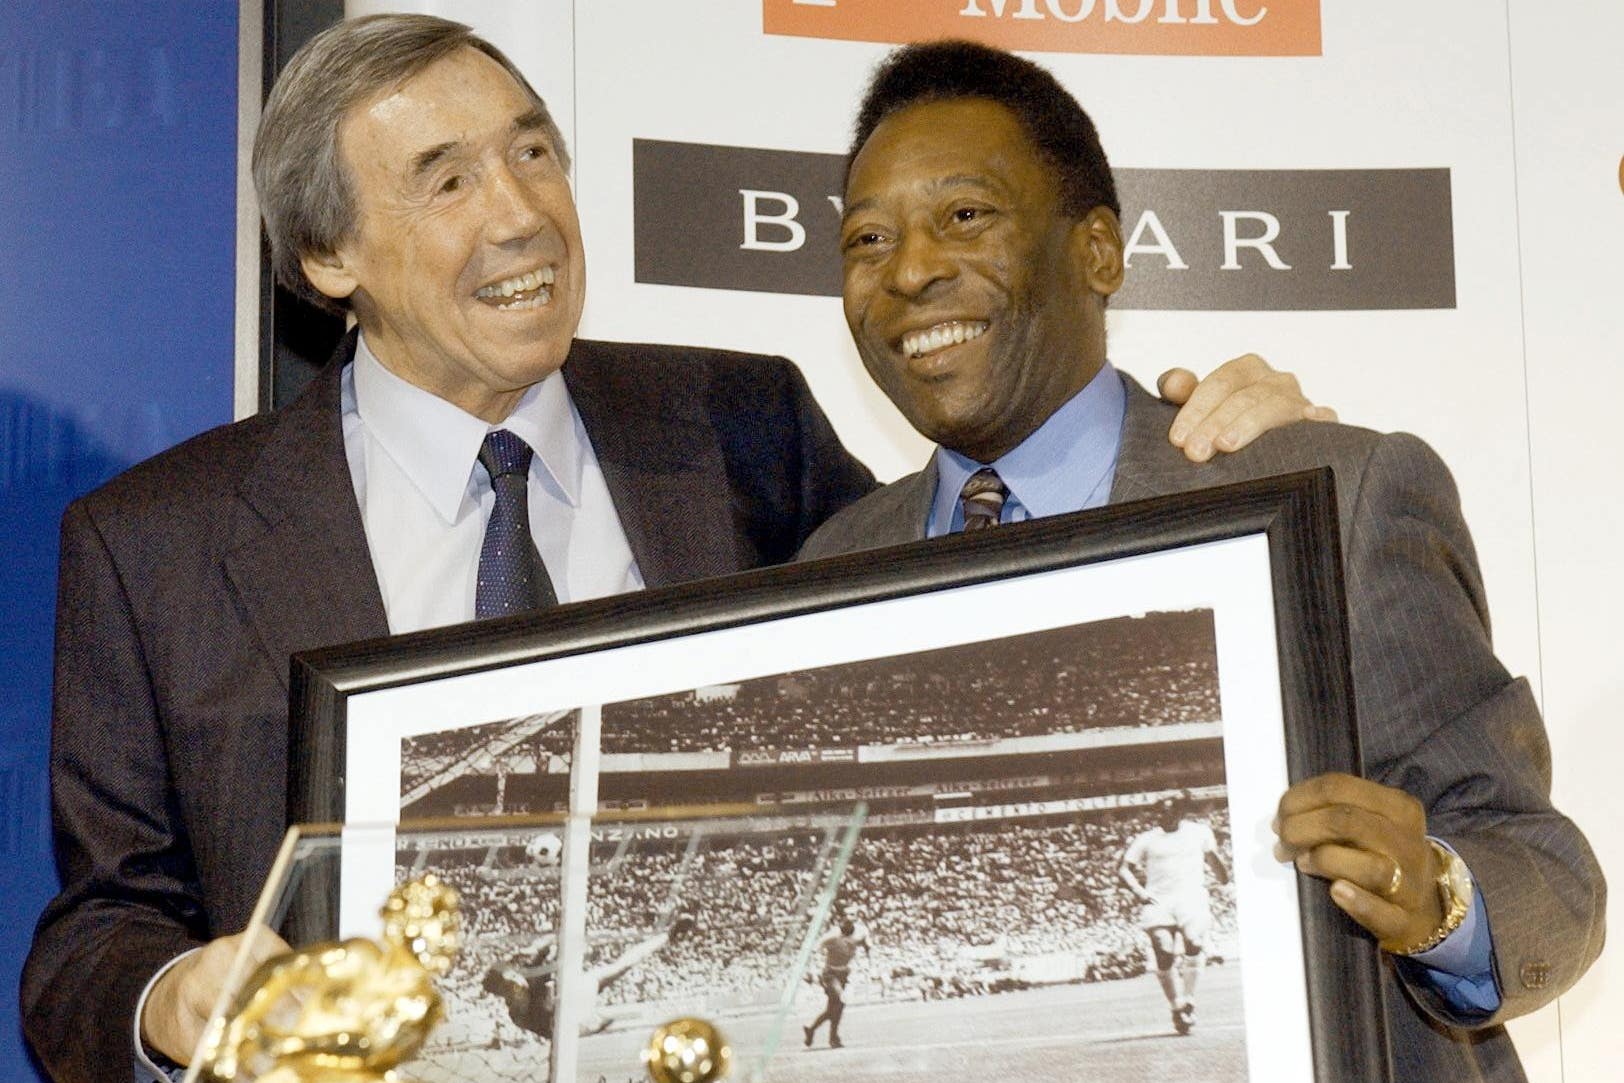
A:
1237,402
181,1000
1370,841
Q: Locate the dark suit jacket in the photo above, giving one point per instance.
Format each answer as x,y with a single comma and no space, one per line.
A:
188,581
1439,716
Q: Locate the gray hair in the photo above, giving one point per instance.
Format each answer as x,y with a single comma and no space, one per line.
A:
305,193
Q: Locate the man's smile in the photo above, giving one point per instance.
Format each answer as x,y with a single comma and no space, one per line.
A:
533,289
939,336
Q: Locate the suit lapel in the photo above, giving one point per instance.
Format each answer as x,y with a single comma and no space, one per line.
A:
906,519
664,471
298,559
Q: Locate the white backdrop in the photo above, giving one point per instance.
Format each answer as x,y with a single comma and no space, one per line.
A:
1518,385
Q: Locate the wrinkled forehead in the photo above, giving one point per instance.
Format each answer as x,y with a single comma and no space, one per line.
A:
462,99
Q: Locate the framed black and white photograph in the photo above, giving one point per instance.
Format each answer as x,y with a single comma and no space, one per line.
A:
1069,737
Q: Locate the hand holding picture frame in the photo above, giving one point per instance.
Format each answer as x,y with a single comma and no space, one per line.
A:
1015,708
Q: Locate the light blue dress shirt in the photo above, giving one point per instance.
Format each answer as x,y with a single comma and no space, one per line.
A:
1068,464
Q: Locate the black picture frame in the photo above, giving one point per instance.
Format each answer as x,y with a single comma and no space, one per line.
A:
1295,513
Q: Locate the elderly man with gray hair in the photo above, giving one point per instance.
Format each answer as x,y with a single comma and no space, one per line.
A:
463,456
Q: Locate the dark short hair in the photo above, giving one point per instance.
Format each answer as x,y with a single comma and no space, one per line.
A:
1059,129
306,195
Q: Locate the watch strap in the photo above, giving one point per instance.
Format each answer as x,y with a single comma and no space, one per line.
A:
1456,903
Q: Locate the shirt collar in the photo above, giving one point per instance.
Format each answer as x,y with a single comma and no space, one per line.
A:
436,444
1067,464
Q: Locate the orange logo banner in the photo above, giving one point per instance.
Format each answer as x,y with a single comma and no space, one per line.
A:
1137,27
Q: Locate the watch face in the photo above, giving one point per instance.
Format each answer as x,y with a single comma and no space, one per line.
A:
1458,878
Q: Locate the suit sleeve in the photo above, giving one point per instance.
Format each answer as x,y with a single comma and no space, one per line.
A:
129,901
830,476
1442,719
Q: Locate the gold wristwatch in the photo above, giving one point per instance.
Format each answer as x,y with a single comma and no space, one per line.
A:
1454,892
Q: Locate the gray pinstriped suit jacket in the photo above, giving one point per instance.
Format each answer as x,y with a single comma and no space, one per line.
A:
1439,715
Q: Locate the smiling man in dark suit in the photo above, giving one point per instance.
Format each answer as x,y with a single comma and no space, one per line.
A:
981,241
464,456
409,176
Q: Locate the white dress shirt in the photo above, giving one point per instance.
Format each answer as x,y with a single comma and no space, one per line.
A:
424,500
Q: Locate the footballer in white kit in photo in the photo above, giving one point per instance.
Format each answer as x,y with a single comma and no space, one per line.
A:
1173,858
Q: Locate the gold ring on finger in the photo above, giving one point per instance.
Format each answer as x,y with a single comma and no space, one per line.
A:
1396,882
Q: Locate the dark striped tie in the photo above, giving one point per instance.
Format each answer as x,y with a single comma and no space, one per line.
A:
982,499
512,578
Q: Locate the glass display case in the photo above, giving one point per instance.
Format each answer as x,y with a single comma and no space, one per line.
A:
577,938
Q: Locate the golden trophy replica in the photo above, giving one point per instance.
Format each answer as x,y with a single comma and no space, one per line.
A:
687,1051
348,1012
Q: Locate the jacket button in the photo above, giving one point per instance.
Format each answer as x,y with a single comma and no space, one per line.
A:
1535,975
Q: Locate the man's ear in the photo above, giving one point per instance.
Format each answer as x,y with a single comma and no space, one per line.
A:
330,273
1097,247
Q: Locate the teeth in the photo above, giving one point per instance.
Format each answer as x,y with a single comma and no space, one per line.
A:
534,300
919,343
525,283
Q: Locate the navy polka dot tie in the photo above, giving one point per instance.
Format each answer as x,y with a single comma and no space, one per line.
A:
982,499
512,578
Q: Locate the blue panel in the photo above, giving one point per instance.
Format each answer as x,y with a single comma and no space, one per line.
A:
117,191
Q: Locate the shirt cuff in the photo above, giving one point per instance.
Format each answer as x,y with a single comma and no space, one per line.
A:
151,1066
1459,972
